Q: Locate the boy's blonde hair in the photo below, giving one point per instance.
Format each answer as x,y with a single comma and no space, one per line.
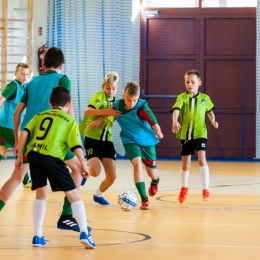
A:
111,78
21,65
132,89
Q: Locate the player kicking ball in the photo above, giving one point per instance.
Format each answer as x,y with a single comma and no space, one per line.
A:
51,132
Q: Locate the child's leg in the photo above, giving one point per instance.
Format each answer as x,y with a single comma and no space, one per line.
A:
139,178
78,209
3,150
11,184
153,173
204,169
110,171
39,207
186,161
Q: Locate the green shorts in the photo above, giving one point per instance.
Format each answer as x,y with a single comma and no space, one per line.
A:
69,155
7,137
147,154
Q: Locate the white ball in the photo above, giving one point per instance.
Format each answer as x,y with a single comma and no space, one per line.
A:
127,200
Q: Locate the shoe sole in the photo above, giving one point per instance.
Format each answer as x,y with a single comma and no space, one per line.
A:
86,244
207,199
104,205
38,245
70,229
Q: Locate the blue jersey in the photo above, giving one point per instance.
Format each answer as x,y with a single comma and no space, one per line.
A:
135,130
39,91
9,106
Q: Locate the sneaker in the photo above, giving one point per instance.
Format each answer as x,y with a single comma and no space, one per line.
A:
153,189
39,241
67,222
28,185
144,205
182,195
205,195
101,200
83,181
86,240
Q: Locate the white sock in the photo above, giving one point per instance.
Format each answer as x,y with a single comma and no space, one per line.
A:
185,178
204,172
99,193
79,213
39,208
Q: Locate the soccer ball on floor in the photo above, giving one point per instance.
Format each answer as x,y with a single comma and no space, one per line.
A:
127,200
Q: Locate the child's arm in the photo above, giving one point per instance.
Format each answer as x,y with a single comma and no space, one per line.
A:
97,122
17,115
90,111
84,169
157,130
22,142
2,100
175,124
211,117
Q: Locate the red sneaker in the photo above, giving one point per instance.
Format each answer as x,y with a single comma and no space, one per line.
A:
144,205
205,195
183,194
153,189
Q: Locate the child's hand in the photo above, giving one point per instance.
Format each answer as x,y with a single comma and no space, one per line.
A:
176,127
215,124
18,162
85,173
112,112
159,135
94,124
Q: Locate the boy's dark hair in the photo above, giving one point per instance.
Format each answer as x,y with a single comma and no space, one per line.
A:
60,96
193,72
53,58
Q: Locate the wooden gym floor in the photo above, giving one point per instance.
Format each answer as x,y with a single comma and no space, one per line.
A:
227,227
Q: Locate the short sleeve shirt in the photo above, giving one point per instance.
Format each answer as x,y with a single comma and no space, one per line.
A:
52,132
192,115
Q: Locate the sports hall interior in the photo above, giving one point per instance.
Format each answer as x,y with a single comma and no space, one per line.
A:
154,43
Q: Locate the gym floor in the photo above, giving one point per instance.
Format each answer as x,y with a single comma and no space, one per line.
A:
226,227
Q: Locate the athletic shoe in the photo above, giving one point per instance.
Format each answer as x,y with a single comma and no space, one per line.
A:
101,200
144,205
39,241
67,222
182,195
28,185
86,240
83,181
153,189
205,195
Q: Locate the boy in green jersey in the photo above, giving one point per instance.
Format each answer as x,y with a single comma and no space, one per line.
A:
96,126
191,107
9,99
35,100
52,132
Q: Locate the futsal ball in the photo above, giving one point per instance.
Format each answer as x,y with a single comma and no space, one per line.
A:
127,200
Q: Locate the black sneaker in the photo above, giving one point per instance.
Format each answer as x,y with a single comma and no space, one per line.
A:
68,222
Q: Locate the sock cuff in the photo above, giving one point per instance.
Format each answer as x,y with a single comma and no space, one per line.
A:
39,202
77,202
205,166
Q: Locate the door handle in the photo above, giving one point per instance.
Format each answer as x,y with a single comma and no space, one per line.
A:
159,96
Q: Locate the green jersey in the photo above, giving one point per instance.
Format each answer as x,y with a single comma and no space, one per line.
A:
52,131
192,115
104,131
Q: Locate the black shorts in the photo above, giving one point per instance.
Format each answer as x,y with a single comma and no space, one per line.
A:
100,149
43,167
188,147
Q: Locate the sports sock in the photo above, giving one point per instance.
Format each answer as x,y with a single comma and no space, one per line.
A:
1,157
99,193
141,189
80,215
185,178
39,207
155,181
204,171
26,178
2,204
67,210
